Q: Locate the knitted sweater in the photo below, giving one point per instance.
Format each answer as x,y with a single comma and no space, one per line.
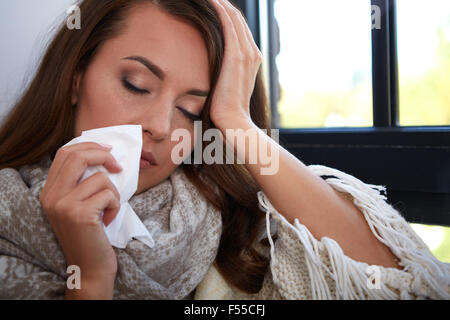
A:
302,267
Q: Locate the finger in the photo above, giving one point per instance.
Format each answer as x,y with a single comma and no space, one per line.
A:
240,25
92,185
248,49
109,215
64,152
230,36
249,35
76,164
244,30
104,201
60,158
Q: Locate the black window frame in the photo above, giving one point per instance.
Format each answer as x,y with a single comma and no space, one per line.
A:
412,162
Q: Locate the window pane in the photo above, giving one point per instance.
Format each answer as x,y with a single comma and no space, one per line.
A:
325,63
423,35
436,238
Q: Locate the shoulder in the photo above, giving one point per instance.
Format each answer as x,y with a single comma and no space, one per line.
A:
13,187
8,173
9,178
25,179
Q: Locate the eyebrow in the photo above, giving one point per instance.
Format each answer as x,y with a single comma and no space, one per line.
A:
157,71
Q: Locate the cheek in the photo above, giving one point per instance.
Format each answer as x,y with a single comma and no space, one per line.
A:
102,103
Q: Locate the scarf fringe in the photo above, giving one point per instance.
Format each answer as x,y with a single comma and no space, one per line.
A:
430,277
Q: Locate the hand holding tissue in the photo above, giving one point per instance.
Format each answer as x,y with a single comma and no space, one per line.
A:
126,141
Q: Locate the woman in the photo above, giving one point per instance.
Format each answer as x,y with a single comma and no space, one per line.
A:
164,64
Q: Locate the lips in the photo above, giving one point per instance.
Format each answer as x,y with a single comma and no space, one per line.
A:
148,156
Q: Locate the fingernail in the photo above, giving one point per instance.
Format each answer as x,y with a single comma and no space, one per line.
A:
119,166
104,145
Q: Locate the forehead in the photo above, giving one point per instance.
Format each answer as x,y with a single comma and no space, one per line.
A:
177,47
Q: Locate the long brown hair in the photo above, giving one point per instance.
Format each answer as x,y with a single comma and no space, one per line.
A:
43,120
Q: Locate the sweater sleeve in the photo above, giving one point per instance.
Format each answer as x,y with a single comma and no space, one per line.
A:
20,279
304,267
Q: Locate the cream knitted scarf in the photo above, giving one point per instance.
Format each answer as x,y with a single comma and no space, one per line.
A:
185,227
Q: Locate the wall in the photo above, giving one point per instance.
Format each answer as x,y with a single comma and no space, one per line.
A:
25,28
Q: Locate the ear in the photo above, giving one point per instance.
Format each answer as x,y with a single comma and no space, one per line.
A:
76,87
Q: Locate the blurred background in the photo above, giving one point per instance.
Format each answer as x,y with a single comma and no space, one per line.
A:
320,89
325,76
26,26
324,64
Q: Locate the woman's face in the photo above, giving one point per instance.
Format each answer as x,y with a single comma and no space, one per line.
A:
120,87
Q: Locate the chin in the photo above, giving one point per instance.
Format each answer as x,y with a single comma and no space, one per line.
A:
148,179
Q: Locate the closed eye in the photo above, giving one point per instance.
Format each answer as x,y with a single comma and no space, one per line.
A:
191,116
139,91
132,88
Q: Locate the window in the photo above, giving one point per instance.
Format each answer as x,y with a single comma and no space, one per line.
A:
437,238
423,33
373,127
324,64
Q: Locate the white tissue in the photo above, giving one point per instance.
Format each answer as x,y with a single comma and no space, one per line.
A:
126,141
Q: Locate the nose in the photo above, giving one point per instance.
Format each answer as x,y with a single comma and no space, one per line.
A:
157,119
